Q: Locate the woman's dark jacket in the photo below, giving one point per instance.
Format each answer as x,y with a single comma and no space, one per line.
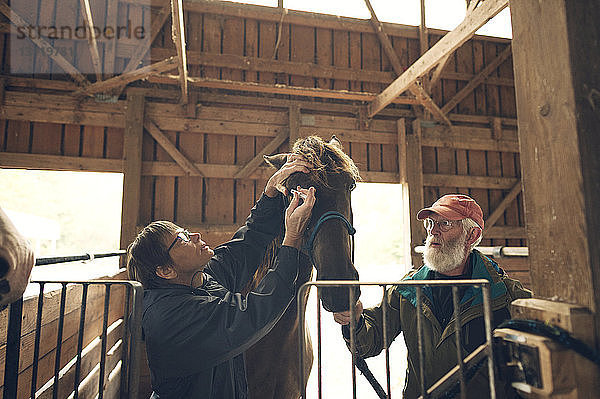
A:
196,337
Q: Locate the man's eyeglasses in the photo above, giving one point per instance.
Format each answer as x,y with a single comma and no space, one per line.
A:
444,225
182,235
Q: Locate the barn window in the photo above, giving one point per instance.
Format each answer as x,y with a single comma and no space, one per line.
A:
63,214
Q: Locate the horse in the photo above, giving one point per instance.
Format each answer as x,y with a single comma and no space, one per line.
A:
272,363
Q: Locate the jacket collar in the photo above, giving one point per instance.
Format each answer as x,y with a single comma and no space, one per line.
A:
483,268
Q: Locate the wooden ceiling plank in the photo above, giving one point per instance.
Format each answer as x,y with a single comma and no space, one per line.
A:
450,42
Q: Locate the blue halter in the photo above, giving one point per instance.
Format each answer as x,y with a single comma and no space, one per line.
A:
308,246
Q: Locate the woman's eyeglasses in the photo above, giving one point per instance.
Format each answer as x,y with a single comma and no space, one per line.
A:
444,225
182,235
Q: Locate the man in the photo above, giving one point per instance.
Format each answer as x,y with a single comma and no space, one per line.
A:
454,225
195,323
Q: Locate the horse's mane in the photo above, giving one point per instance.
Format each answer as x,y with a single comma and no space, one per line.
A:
326,158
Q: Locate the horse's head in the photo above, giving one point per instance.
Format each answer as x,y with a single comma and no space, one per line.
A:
334,176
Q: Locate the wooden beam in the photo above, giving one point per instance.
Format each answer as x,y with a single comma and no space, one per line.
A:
132,166
507,200
423,34
477,80
178,35
486,182
414,177
402,151
46,47
140,51
437,74
294,123
463,32
415,88
505,232
557,86
93,45
187,165
276,89
128,77
255,162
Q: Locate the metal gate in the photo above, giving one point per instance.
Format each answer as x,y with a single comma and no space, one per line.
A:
115,339
431,389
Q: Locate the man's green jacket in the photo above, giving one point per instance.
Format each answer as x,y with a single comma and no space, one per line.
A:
439,344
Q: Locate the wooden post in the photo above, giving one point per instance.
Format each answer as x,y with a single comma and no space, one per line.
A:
132,166
556,50
414,175
294,123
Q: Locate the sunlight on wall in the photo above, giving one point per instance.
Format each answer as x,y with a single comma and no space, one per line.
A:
63,214
381,254
439,14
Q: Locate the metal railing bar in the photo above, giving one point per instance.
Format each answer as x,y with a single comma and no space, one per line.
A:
36,344
103,345
487,313
459,352
414,283
352,338
385,344
496,252
319,375
125,350
84,293
73,258
61,322
419,290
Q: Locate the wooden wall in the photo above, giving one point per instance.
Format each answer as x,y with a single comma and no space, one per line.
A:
241,102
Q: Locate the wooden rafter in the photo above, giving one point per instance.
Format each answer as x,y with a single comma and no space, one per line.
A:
188,166
415,88
450,42
125,78
437,74
179,40
477,80
255,162
46,47
93,44
277,88
495,215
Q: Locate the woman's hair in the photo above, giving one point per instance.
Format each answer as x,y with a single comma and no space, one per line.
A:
148,251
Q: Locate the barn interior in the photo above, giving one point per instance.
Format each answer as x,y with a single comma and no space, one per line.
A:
184,97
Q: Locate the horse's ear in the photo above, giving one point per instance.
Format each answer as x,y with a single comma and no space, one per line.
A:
336,142
276,160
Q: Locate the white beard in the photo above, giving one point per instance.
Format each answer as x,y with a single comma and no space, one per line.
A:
448,257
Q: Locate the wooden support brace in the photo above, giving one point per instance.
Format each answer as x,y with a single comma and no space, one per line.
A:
450,42
170,148
437,74
402,151
125,78
415,88
179,41
255,162
496,128
494,216
110,46
93,44
477,80
46,47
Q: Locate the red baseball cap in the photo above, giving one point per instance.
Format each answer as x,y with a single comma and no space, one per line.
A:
454,207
